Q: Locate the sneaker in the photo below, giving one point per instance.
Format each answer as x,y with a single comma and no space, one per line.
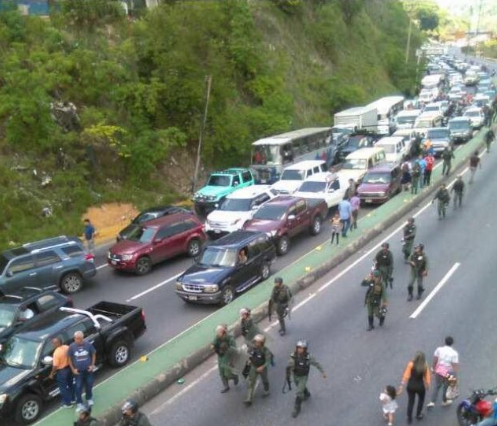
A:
447,403
430,405
66,406
90,403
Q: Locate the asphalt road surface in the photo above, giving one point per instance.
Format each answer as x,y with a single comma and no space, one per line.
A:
460,300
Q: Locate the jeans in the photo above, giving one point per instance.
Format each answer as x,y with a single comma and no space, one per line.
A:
427,177
411,396
440,382
90,246
84,380
345,226
66,385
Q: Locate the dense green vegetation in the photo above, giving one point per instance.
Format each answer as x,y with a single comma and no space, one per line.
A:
134,92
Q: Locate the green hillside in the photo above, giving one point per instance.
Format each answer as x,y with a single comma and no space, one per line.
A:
95,107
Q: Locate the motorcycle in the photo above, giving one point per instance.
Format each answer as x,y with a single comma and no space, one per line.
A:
475,408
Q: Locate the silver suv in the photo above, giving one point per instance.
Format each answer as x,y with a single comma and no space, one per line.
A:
59,263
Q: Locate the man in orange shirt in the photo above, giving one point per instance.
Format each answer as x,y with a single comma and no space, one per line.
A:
62,372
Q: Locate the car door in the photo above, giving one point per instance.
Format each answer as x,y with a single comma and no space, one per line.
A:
20,273
161,244
48,385
47,263
176,241
241,276
334,193
254,260
303,219
291,221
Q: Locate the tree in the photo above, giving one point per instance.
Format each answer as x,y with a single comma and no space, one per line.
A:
350,8
428,18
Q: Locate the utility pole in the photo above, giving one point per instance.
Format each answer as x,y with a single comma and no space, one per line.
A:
408,47
202,132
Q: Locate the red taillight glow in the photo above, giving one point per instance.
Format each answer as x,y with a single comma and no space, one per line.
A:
143,315
90,257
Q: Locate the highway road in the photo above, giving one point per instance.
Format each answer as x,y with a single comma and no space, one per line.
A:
460,301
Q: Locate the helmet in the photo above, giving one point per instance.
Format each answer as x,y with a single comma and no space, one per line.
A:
83,409
129,405
302,344
278,280
420,246
259,338
385,245
411,219
221,328
244,311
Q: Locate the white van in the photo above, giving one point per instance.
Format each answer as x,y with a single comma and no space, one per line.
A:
396,148
405,119
359,162
293,176
325,186
427,120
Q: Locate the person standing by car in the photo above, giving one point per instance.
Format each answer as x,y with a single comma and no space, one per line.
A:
131,416
422,165
89,234
225,347
419,270
355,202
406,175
415,177
82,357
62,372
445,361
351,190
474,162
458,190
417,378
345,210
430,162
281,297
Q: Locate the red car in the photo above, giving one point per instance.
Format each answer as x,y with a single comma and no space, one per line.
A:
380,183
157,240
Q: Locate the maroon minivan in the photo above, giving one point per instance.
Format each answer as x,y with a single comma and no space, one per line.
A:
157,240
380,183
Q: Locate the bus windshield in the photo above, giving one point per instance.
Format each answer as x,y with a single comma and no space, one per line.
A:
267,154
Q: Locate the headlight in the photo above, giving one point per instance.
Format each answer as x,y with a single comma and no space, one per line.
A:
127,257
108,254
235,222
3,398
211,198
211,288
179,286
271,233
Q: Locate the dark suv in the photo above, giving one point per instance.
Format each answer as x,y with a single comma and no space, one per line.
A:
55,263
226,268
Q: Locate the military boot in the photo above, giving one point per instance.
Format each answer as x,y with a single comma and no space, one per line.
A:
266,390
371,323
409,298
296,408
382,321
226,385
307,394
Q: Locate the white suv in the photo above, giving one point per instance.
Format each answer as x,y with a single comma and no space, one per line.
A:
475,116
236,209
293,176
325,186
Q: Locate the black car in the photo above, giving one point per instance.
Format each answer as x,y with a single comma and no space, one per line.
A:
227,267
147,215
39,304
26,357
354,142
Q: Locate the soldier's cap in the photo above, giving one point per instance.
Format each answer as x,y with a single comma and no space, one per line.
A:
259,338
376,274
221,327
411,219
278,280
385,245
244,311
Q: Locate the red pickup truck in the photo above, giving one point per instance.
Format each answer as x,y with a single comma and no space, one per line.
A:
284,217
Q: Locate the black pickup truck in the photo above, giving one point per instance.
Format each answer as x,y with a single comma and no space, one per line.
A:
26,357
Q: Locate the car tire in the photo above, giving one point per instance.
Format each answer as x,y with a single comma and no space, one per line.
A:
71,283
227,295
194,247
143,266
265,271
119,354
283,245
316,226
28,409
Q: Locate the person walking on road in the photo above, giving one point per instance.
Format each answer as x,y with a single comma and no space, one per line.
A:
408,238
355,202
89,234
458,190
430,162
447,157
419,270
249,329
406,175
62,372
376,299
489,138
281,297
389,404
445,362
416,380
131,416
345,210
384,263
259,360
299,365
474,163
442,197
415,177
82,357
336,227
351,190
225,347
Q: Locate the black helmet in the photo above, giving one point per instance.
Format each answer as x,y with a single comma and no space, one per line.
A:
130,404
420,246
302,344
411,219
385,245
278,280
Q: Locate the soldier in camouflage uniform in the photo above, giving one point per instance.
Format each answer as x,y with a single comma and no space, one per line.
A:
225,347
259,360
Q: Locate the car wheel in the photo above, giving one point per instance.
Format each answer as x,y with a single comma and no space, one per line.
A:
28,409
283,245
71,283
227,295
143,266
316,226
194,247
119,354
265,271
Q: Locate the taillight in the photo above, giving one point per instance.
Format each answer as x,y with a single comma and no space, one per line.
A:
89,257
143,315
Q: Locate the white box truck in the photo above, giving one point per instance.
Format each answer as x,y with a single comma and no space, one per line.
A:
358,118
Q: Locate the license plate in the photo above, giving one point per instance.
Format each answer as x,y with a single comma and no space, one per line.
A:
368,201
192,298
263,180
217,231
114,262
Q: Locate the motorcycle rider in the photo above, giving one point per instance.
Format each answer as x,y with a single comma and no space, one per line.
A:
131,416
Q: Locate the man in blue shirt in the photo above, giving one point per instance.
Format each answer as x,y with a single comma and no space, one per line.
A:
345,211
82,356
89,233
422,165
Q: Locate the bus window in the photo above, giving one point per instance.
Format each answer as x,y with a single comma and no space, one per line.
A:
267,154
287,153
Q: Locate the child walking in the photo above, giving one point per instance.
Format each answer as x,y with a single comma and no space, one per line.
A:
389,405
336,227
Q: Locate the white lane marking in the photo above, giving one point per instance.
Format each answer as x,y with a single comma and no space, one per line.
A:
435,290
102,266
155,287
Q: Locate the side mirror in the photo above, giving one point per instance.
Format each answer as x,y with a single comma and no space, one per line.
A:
9,274
158,240
216,205
291,217
48,360
255,208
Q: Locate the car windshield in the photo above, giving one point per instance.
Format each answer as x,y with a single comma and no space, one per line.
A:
406,119
293,175
219,180
141,234
472,113
144,217
459,125
236,205
3,263
20,352
7,315
432,108
358,142
270,212
354,164
267,154
214,256
438,134
372,178
313,187
389,148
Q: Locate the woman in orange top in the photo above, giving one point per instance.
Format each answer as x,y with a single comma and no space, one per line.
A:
417,378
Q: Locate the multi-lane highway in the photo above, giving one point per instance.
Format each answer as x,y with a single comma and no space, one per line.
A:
460,300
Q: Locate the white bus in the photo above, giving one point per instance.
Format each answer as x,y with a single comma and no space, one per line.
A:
387,109
270,155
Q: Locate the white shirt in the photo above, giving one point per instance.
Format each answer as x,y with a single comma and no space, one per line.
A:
389,404
447,356
26,314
